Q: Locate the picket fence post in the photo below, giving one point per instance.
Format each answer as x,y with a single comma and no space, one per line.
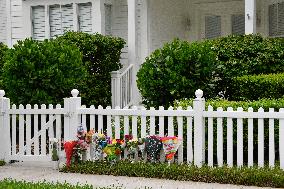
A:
5,147
72,119
199,129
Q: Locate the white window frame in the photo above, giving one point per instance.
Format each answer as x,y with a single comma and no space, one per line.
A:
97,14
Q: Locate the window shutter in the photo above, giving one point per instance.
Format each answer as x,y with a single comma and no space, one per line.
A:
108,14
281,19
55,21
85,17
238,24
67,17
38,22
212,27
273,20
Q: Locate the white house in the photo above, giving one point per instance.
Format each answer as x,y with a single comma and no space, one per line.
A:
145,24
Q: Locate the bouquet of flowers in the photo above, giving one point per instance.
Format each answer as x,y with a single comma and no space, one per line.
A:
153,146
69,148
100,141
113,151
170,146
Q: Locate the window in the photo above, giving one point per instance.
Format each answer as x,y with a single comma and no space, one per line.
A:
85,17
212,27
238,24
276,19
60,19
38,23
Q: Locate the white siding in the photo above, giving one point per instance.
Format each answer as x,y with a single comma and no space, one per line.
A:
16,20
167,21
85,17
3,23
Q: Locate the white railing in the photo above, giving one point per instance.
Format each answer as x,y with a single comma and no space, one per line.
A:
122,87
202,132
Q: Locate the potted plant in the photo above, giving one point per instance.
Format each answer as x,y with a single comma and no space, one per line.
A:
54,153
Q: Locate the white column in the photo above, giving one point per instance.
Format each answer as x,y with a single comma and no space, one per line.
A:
144,31
98,16
132,47
250,16
47,26
75,17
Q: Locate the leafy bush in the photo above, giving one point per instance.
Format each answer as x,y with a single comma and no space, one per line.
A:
176,71
101,55
255,87
263,177
42,72
3,49
2,162
246,55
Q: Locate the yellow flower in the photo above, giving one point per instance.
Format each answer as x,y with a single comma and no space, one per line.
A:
114,141
101,135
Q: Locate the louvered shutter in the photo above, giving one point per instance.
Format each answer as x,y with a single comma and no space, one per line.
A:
67,17
212,27
85,17
281,19
38,23
273,20
108,14
238,24
55,21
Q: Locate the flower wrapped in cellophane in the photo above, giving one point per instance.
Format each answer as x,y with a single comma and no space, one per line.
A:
170,146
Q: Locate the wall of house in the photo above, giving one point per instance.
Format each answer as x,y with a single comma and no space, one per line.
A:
185,19
167,21
3,21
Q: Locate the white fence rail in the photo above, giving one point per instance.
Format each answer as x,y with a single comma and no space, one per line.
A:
213,137
122,87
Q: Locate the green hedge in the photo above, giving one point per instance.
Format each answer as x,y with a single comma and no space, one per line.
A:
101,55
42,72
256,87
246,55
176,71
179,68
13,184
263,177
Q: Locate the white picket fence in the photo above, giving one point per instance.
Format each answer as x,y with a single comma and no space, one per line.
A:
26,130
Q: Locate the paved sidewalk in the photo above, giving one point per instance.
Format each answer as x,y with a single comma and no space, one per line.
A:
42,171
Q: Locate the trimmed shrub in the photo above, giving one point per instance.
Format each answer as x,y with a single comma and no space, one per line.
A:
101,55
263,177
246,55
176,71
3,50
255,87
42,72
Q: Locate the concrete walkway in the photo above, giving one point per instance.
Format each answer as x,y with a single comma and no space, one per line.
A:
43,172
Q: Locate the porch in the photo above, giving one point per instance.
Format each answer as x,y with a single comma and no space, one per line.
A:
151,23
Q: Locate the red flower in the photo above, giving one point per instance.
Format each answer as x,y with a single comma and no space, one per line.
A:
68,147
117,151
128,137
170,156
